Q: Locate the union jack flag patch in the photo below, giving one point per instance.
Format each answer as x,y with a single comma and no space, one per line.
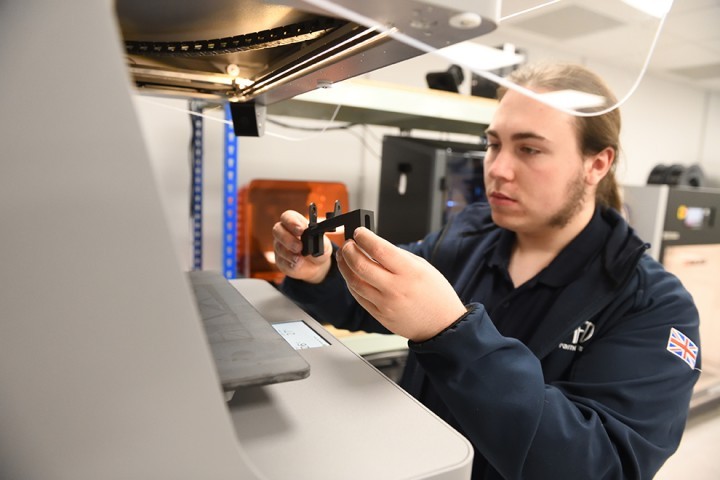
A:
683,347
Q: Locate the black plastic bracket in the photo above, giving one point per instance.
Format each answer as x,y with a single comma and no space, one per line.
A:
312,237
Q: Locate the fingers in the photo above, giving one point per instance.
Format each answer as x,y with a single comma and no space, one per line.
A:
294,222
287,247
401,290
286,239
383,252
364,277
288,250
349,262
366,304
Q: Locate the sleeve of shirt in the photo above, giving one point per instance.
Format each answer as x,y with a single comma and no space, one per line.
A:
619,414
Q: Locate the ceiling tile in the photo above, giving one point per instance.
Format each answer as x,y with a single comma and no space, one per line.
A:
690,38
699,72
568,22
683,55
680,6
701,24
713,84
616,43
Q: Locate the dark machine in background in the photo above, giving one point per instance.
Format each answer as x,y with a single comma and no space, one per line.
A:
448,81
423,183
677,175
682,226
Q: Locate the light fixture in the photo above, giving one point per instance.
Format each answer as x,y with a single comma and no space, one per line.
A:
655,8
476,56
573,99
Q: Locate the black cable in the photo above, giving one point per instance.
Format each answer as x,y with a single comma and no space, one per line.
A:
311,129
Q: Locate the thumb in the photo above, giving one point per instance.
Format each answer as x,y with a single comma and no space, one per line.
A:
379,249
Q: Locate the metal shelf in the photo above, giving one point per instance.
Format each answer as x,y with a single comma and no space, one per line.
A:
378,103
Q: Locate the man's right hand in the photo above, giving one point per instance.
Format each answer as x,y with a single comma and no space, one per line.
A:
288,248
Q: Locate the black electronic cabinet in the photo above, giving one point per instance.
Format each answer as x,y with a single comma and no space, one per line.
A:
423,182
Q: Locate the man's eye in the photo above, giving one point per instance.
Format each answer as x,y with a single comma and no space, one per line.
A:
529,150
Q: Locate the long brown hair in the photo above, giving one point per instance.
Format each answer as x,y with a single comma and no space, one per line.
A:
594,133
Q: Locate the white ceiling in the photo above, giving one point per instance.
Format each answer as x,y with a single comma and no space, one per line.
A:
613,33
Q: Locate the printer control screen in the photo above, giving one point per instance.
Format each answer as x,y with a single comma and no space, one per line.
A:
299,335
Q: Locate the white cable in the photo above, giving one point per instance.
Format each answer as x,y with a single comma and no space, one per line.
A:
309,137
228,122
184,110
527,10
353,16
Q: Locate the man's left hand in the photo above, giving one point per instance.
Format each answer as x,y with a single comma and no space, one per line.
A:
399,289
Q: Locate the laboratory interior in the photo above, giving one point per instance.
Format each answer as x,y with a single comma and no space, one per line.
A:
149,148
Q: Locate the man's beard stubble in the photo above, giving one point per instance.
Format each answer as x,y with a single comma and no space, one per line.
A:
573,205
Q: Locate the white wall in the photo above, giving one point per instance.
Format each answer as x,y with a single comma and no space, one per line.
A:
664,122
710,137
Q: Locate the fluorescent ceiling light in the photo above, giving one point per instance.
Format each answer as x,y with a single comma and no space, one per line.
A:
476,56
656,8
573,99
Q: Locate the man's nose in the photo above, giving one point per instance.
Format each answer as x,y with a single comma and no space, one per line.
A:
501,166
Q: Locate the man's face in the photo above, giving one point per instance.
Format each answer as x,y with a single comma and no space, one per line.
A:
534,170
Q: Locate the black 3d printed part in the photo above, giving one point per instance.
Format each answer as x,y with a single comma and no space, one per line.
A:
312,237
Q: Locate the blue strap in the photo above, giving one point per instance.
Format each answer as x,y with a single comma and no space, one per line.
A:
230,197
196,187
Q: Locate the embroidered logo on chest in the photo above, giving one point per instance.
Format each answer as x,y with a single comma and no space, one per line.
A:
581,335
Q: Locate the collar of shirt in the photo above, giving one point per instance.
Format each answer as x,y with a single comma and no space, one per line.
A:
569,262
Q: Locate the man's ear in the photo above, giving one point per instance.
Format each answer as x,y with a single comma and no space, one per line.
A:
598,165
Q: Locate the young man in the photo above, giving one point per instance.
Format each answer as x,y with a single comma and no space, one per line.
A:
537,325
